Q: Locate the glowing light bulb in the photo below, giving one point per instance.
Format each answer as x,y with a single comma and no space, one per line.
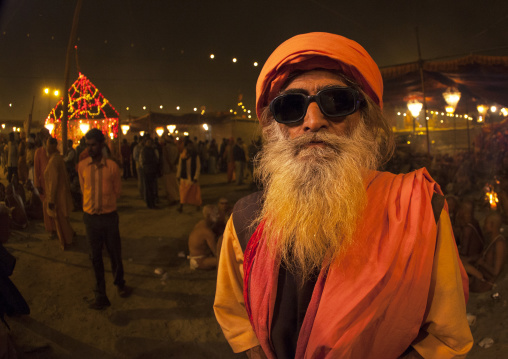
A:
205,126
234,59
84,127
212,56
50,127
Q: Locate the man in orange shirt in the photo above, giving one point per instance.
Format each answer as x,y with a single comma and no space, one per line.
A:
334,259
100,183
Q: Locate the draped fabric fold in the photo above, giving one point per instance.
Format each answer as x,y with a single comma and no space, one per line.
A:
376,293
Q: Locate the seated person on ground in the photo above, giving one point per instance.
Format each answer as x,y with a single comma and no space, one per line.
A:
203,240
14,202
20,190
33,207
485,270
468,233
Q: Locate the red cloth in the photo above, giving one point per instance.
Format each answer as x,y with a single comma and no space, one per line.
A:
373,303
318,50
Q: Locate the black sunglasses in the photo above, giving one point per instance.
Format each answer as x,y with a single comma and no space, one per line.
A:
337,101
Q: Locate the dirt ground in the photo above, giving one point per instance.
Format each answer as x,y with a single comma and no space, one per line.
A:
167,316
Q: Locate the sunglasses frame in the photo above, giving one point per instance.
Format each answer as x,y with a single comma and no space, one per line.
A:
358,100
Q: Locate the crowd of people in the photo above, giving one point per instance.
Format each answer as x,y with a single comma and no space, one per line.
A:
333,253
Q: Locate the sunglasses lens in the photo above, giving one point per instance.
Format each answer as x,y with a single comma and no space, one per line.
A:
288,108
337,102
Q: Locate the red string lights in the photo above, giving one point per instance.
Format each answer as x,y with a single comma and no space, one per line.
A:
86,106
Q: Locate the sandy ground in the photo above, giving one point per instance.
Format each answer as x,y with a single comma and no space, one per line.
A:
167,316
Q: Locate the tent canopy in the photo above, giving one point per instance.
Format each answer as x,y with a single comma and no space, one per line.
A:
480,79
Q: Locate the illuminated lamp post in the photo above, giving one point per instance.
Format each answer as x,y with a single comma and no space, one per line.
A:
125,129
452,98
482,110
414,106
171,128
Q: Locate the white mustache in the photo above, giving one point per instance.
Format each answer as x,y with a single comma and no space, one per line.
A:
332,141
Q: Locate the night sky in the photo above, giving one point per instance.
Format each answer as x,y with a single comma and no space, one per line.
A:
157,52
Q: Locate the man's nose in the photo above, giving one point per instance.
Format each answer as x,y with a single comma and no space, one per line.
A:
314,119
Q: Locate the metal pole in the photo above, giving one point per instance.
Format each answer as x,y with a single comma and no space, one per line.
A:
420,64
72,40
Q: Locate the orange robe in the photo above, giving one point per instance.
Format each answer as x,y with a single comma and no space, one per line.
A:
40,162
58,191
409,290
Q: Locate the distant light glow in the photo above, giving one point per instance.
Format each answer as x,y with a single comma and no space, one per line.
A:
504,111
161,107
159,131
205,126
125,129
255,64
111,135
178,108
3,125
141,133
186,133
50,127
212,56
127,108
56,93
234,59
195,109
414,107
482,109
84,127
46,90
10,105
171,128
144,107
493,109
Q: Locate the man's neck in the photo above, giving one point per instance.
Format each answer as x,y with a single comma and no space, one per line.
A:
97,159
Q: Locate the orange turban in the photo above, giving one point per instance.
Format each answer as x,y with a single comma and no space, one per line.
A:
318,50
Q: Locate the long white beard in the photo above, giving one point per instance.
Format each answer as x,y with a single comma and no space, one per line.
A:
314,195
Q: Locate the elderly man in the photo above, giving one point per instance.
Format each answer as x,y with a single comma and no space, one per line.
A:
335,259
41,160
58,193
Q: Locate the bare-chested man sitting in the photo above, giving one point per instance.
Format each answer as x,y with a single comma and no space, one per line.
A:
203,240
488,267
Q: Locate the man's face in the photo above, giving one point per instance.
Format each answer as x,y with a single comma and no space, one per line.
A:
310,83
223,205
94,147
